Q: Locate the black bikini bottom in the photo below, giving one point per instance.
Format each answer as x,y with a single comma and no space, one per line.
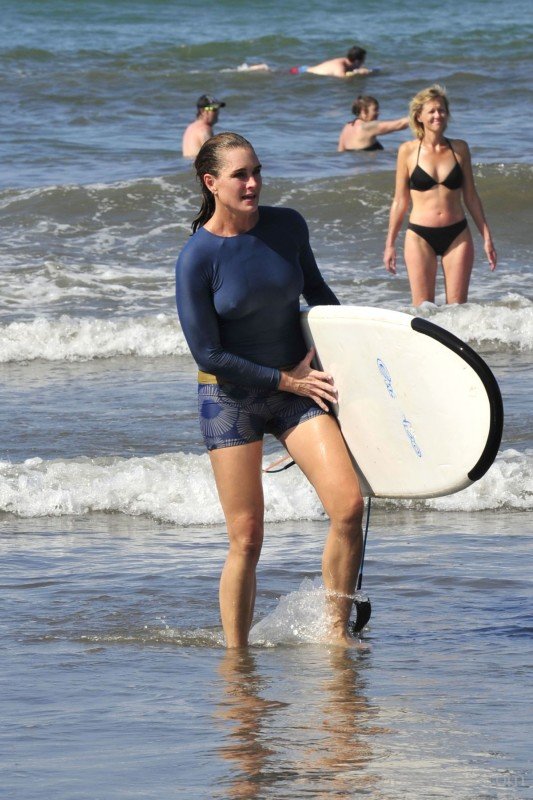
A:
440,239
375,146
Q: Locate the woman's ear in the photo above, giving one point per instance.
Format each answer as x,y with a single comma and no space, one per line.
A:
209,181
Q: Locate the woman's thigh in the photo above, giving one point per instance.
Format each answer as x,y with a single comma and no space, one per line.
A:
457,265
421,264
238,478
317,446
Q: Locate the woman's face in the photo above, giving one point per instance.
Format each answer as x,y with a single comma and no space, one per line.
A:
370,113
238,184
433,115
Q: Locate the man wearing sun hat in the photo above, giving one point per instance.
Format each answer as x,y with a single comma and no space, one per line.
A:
201,129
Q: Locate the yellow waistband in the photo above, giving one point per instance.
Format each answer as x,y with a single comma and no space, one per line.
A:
206,377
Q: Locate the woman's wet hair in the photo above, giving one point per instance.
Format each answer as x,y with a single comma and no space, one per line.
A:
209,161
435,92
363,103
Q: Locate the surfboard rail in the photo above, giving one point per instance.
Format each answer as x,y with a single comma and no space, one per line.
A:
494,435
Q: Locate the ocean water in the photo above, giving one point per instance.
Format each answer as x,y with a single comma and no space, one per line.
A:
115,681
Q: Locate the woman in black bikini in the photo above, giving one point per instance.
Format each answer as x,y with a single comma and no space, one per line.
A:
434,174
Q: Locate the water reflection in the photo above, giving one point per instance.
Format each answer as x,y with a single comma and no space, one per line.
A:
300,724
244,706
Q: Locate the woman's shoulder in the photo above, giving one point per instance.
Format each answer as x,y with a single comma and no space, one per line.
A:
281,215
348,127
193,243
197,249
277,211
459,146
281,222
407,154
407,148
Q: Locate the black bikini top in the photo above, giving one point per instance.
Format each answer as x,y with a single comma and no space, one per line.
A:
420,181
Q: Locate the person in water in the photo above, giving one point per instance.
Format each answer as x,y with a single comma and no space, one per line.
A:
434,174
238,284
201,129
362,132
342,67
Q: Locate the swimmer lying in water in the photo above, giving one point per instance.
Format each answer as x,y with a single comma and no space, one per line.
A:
343,67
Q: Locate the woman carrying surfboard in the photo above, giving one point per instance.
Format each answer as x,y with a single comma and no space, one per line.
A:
238,285
434,174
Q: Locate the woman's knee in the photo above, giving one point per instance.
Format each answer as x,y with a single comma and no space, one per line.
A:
348,514
246,535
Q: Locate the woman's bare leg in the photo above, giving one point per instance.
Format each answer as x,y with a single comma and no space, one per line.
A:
238,477
421,263
319,450
457,263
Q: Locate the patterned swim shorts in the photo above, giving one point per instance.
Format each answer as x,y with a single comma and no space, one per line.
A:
231,415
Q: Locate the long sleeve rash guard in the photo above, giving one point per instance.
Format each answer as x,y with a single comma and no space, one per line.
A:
238,297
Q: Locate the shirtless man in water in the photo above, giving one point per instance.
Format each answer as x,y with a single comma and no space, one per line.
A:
201,129
350,64
344,67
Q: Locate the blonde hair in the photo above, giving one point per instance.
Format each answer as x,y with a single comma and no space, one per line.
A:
434,92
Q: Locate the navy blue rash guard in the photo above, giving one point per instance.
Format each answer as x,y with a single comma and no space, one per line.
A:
238,297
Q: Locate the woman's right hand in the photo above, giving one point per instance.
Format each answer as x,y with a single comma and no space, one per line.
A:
308,382
389,259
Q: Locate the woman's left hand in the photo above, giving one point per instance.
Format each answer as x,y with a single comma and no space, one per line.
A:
308,382
389,259
491,254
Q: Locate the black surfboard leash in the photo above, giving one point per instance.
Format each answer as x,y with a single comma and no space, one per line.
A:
286,458
363,608
360,578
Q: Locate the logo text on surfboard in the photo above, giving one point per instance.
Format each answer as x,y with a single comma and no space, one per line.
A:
410,435
387,378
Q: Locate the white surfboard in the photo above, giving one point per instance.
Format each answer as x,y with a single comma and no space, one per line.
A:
420,411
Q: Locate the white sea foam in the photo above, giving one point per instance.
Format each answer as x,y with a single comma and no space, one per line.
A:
507,484
175,488
69,339
507,323
179,488
300,616
76,248
56,285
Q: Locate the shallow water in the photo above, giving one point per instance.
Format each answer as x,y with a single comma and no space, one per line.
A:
120,686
